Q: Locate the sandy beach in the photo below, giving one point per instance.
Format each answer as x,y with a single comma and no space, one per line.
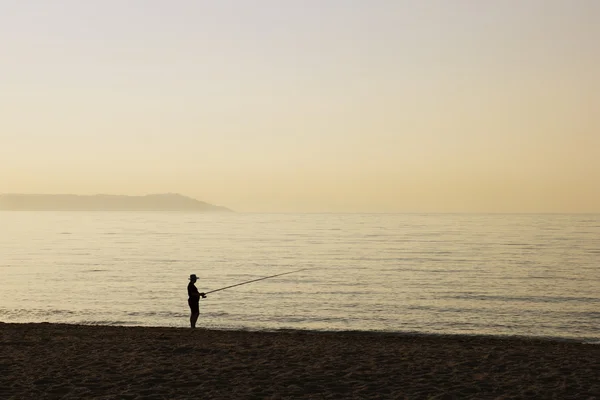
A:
54,361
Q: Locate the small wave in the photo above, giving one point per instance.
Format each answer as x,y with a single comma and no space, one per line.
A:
529,299
162,314
426,270
312,320
216,314
110,323
37,313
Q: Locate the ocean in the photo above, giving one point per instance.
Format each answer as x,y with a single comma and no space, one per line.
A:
532,275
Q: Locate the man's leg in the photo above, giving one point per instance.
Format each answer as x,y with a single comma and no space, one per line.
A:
195,312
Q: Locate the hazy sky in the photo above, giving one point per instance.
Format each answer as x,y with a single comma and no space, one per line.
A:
306,105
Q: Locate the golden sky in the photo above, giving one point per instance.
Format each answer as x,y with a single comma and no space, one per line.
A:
306,106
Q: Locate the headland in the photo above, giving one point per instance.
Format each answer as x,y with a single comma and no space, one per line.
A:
101,202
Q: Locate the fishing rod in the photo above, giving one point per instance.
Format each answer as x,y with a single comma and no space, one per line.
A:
254,280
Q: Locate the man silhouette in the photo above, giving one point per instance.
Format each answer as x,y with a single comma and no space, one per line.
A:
194,300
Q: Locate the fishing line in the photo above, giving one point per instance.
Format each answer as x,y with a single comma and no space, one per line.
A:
254,280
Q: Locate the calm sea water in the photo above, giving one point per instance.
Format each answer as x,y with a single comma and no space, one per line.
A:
531,275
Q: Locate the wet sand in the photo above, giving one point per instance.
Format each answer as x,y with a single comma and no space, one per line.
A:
54,361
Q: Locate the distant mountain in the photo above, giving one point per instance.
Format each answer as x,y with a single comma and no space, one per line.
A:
101,202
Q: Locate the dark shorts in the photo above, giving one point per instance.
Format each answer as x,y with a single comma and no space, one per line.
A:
194,306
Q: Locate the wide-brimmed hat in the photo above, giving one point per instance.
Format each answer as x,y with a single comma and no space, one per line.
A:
193,277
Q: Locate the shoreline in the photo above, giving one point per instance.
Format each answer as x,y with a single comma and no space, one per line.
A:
52,361
416,334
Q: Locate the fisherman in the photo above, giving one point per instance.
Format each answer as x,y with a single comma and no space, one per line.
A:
194,300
